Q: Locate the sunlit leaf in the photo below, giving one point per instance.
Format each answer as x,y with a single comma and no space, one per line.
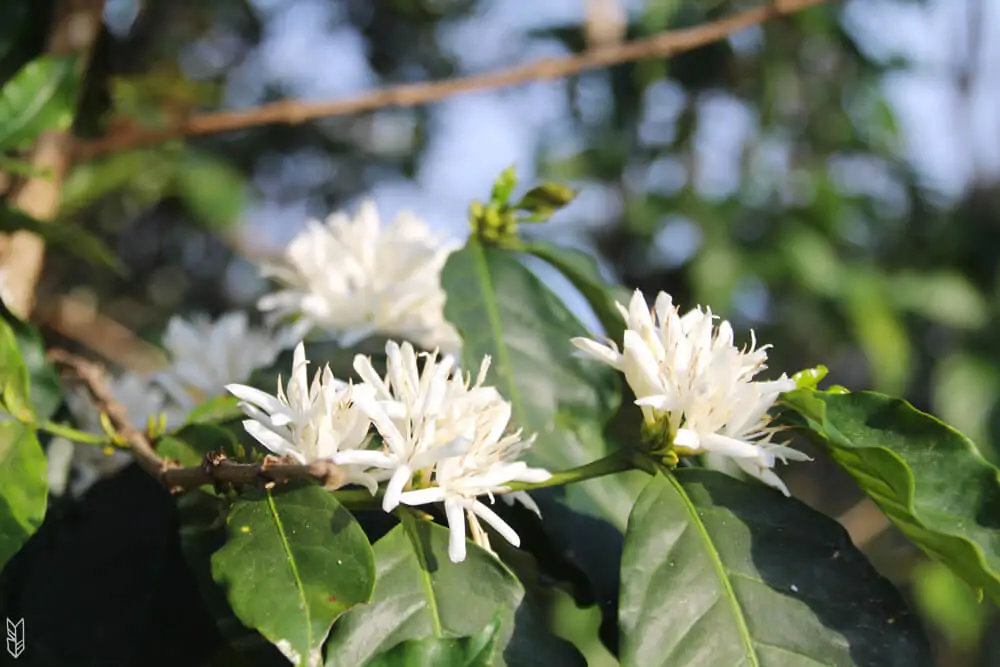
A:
41,96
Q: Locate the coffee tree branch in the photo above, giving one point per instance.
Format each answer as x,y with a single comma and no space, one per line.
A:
216,469
293,112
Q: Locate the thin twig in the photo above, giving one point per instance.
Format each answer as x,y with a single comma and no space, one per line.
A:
293,112
215,470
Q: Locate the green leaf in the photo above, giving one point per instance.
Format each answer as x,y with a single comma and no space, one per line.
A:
950,605
928,478
293,562
23,487
216,410
945,297
40,97
474,651
62,234
213,190
810,378
191,443
14,387
420,593
722,572
43,385
502,309
581,269
879,331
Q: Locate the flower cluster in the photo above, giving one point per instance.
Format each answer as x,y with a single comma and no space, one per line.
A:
688,375
352,278
441,437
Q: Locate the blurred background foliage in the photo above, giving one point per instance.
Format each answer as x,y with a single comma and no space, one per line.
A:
766,175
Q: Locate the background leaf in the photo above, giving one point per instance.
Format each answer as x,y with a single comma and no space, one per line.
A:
63,235
294,560
41,96
23,487
421,594
474,651
722,572
44,386
503,310
928,478
214,191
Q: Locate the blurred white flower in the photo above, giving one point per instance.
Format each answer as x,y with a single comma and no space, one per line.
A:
353,278
205,356
686,370
308,422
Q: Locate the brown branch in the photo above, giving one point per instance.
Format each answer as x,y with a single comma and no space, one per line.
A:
292,112
215,470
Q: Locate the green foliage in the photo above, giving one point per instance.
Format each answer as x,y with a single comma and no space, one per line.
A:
474,651
420,593
929,480
40,97
23,486
718,571
948,603
294,560
212,189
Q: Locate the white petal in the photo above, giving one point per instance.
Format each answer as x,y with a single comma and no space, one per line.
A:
364,457
400,478
272,440
256,397
434,494
598,352
722,444
456,530
526,500
499,525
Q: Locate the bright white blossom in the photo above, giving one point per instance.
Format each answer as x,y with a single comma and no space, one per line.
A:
207,355
687,370
354,278
445,433
307,421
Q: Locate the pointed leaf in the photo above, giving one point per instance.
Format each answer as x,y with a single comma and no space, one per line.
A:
474,651
23,487
722,572
928,478
421,594
41,96
294,560
581,269
502,309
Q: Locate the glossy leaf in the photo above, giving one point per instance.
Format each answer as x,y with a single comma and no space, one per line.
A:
294,560
421,594
44,386
41,96
23,487
928,478
581,269
474,651
722,572
503,310
63,235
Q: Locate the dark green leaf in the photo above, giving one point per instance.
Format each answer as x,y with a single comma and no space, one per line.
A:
41,96
45,389
63,235
213,190
928,478
23,487
721,572
293,562
421,594
474,651
502,309
581,269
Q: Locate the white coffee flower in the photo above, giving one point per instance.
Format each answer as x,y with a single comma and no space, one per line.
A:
487,465
308,422
687,370
354,279
410,409
205,356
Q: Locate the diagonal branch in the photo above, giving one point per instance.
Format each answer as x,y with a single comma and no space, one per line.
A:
216,468
292,112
